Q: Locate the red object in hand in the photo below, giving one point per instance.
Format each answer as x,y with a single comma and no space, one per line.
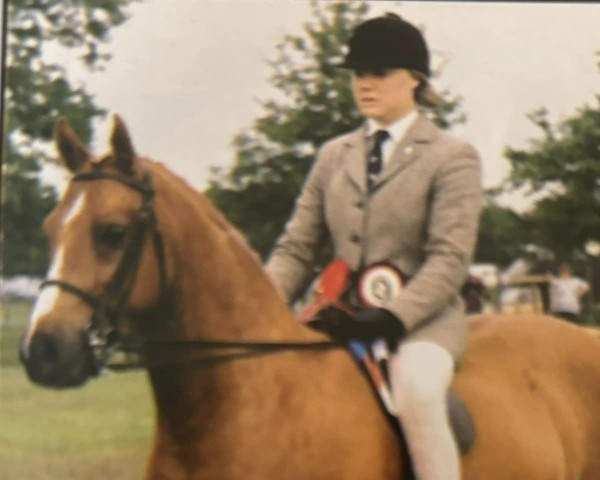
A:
333,282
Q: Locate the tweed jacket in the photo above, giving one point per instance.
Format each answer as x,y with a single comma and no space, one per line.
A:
421,216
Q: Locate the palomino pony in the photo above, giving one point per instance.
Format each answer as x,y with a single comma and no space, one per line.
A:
242,390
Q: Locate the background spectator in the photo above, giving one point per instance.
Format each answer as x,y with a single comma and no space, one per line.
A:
566,291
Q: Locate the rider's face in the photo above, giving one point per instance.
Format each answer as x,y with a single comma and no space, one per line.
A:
384,95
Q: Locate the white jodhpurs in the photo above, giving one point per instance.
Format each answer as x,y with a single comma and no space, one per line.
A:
420,375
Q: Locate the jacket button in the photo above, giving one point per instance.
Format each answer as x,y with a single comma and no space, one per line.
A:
360,204
355,238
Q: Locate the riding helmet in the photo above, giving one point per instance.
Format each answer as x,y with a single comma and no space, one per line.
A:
387,42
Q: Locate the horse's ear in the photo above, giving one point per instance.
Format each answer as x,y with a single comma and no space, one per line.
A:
72,150
121,146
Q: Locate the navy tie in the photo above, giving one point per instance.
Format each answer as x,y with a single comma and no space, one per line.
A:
375,160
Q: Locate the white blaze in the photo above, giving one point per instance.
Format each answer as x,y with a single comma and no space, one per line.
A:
47,299
76,209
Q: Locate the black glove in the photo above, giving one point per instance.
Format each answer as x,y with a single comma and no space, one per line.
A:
368,325
373,323
331,321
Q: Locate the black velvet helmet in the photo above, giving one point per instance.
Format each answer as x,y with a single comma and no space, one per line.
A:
387,42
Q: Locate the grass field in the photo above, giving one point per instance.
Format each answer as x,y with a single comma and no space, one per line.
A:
99,431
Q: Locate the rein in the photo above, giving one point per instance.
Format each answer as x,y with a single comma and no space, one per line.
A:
110,306
249,350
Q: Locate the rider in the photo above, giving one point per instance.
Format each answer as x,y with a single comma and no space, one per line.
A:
414,204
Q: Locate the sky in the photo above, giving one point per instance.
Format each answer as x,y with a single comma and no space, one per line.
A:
186,75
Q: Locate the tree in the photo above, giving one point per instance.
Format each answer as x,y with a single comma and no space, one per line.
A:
314,103
502,235
565,165
38,91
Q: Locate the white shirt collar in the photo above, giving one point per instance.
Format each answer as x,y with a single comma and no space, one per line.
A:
397,130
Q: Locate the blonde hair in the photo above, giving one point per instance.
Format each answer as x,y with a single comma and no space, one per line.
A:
425,94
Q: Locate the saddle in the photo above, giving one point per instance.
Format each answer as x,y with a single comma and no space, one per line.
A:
335,292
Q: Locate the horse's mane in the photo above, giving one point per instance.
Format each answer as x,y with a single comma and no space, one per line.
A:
202,205
203,234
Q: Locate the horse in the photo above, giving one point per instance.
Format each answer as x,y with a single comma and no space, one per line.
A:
242,389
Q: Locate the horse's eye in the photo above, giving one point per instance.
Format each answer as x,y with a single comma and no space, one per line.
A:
109,237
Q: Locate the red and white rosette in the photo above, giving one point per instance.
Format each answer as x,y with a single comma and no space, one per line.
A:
378,284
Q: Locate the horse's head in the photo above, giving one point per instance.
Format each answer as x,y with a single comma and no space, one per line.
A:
103,268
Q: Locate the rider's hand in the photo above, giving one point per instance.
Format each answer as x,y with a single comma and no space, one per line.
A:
373,323
331,321
368,325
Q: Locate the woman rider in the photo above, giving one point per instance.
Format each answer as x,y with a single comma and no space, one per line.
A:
402,192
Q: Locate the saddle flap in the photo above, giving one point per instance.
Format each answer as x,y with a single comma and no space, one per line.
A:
461,421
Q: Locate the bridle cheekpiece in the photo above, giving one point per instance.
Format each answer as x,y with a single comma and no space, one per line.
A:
110,306
103,335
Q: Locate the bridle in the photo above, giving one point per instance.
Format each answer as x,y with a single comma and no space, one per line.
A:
108,308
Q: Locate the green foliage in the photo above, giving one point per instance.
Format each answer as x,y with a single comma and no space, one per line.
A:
25,204
38,91
565,164
314,103
502,233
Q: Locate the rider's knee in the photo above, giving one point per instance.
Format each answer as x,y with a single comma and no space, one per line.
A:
420,375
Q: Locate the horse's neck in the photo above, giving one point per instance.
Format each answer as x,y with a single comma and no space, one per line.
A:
221,293
214,421
221,288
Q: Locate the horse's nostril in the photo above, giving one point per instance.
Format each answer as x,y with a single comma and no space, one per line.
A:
56,360
44,349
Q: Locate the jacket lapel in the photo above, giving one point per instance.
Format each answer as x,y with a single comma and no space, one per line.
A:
406,152
355,158
409,149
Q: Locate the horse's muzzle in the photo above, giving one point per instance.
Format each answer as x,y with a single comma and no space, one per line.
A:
56,361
